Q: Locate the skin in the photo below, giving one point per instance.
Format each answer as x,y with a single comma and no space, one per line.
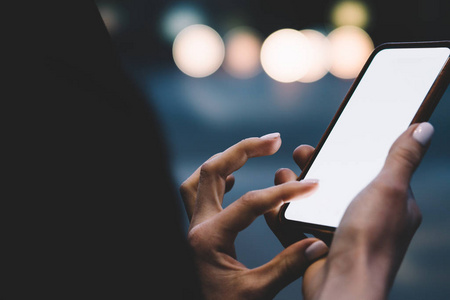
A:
367,247
213,229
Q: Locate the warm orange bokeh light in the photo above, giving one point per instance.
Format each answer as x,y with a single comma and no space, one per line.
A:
350,47
285,55
319,56
198,51
243,48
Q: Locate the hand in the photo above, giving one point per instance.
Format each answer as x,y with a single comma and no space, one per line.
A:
376,229
213,229
282,231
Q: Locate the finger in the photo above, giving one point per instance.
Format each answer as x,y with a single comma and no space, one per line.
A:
240,214
213,173
285,235
289,265
272,217
302,154
229,183
188,189
406,154
284,175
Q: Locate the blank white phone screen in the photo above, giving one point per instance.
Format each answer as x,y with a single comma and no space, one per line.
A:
380,109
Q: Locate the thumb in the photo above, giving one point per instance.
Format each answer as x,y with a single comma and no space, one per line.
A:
289,265
407,152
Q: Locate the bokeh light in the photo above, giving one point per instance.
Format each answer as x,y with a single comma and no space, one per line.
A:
353,13
198,50
285,55
350,47
179,17
319,56
242,55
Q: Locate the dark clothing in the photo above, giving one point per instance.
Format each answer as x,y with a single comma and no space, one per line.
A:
88,205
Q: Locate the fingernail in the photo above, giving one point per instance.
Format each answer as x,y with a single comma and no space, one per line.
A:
310,181
423,133
316,250
270,136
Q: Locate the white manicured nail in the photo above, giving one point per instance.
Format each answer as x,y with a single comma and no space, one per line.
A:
316,250
311,181
423,133
270,136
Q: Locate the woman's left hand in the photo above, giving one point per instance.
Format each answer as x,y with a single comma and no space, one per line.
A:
213,230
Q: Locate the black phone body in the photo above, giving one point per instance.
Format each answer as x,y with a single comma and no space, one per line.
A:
400,84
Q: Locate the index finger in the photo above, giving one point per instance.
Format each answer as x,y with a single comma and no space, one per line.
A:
214,172
240,214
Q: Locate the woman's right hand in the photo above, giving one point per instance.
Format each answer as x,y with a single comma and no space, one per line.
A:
376,229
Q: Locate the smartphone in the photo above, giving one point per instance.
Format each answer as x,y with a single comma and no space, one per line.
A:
400,84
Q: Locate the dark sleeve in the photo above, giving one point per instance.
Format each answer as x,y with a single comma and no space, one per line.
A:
90,210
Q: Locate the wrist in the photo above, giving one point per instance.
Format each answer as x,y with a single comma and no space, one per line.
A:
357,274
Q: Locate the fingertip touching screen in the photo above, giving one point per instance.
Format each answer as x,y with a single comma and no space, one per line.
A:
381,107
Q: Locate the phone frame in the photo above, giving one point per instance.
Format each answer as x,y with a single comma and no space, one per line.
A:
422,115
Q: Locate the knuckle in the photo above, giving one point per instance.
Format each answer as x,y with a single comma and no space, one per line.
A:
187,190
207,169
392,189
395,190
250,202
249,198
196,239
245,147
184,188
251,287
290,269
245,141
407,156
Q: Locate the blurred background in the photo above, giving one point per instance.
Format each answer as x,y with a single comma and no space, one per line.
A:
220,71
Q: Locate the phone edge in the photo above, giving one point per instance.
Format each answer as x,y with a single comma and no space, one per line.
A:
423,114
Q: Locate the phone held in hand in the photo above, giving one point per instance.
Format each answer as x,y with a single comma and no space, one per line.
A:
400,84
